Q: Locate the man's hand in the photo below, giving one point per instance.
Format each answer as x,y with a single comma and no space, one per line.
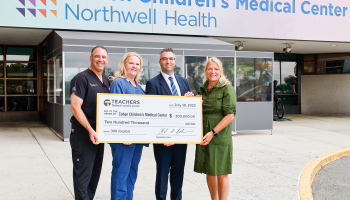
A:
189,94
93,137
127,143
168,144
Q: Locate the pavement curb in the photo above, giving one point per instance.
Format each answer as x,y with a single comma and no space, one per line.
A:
308,175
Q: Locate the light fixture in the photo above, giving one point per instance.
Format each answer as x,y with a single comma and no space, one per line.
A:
239,47
333,45
288,49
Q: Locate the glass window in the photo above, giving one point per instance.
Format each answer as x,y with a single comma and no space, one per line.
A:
288,80
21,86
195,70
1,53
309,67
228,64
78,62
44,69
1,70
254,79
58,79
113,64
346,67
2,89
338,66
51,82
277,71
151,67
44,49
195,66
179,68
50,68
21,104
21,70
45,87
74,63
285,72
44,63
2,104
21,54
50,89
309,64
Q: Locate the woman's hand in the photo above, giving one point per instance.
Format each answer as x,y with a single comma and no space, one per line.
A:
207,138
127,143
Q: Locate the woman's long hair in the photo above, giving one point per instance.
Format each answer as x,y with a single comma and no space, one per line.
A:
122,71
223,80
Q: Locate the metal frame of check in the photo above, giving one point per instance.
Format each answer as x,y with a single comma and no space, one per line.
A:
129,118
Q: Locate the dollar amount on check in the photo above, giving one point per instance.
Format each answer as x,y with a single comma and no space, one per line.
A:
130,118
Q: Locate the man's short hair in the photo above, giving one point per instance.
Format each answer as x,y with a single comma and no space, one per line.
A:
167,50
96,47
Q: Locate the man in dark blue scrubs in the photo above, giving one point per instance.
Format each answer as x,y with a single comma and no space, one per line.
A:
87,153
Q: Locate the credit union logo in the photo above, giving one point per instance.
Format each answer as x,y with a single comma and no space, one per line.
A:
107,102
34,10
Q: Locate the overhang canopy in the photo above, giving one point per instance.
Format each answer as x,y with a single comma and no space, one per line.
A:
72,41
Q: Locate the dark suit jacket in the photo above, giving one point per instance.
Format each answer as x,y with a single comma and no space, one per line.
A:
164,155
158,86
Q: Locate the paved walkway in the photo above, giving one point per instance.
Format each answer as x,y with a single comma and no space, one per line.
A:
36,164
332,182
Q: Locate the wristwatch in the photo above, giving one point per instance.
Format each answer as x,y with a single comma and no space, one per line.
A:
214,132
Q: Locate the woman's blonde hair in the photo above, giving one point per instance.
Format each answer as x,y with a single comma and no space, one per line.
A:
222,79
122,71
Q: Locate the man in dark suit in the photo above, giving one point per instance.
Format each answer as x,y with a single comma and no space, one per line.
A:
169,157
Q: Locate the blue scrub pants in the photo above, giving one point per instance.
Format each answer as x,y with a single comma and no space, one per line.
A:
126,159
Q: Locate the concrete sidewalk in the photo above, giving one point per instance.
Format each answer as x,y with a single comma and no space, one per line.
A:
36,164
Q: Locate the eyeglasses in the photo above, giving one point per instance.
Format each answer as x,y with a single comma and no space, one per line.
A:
165,59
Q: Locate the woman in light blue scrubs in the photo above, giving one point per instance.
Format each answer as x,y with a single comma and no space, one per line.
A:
126,157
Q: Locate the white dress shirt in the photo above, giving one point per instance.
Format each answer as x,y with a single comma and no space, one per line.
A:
166,77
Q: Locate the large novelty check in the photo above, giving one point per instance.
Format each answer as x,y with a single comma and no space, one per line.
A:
127,118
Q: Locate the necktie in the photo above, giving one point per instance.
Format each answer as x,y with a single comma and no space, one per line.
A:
173,88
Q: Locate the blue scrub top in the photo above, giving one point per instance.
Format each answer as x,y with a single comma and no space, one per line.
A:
123,86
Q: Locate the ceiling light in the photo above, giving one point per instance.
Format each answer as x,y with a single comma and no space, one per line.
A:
239,47
333,45
288,49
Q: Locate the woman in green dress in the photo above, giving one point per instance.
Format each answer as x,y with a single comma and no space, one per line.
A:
214,154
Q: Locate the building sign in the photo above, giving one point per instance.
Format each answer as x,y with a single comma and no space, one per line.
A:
323,20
